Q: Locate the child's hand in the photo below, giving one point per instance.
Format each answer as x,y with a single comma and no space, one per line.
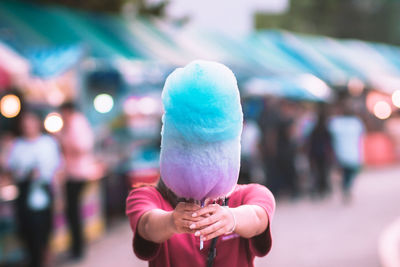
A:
220,221
182,217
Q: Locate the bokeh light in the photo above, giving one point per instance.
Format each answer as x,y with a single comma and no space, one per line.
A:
356,86
147,106
130,106
382,110
8,192
315,86
10,106
103,103
396,98
53,122
55,97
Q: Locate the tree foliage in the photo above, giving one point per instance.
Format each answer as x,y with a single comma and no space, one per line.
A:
373,20
141,7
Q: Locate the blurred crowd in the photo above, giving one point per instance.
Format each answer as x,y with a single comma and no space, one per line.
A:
37,168
291,147
316,110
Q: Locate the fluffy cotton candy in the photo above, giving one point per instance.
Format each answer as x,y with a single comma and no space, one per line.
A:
202,124
202,101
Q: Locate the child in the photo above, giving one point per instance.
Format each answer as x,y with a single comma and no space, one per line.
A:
200,158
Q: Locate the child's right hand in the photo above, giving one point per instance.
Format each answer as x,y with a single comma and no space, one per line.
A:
182,217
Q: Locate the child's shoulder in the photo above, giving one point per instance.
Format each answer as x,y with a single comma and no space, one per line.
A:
146,189
240,188
243,191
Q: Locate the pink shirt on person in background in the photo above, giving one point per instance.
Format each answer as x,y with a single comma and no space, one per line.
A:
77,142
183,250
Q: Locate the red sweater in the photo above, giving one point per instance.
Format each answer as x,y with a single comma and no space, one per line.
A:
182,250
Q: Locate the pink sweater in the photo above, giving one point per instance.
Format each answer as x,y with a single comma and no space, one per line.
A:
77,141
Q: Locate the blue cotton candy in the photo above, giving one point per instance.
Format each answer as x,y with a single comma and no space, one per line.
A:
202,124
202,101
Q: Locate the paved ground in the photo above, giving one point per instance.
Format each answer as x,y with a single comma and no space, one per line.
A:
306,233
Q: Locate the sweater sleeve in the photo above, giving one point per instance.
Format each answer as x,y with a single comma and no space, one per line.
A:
140,201
255,194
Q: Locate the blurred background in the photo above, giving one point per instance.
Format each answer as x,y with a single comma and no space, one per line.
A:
80,104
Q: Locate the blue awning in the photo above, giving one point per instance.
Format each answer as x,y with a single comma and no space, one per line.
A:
306,87
50,62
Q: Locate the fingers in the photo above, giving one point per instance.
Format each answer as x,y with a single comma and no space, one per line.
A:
185,211
205,222
185,227
187,206
219,232
212,231
208,230
206,210
217,223
182,217
188,216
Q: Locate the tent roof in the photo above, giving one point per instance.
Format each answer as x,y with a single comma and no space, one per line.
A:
12,62
298,87
55,26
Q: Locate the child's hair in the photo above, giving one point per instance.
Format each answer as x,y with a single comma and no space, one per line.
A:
168,195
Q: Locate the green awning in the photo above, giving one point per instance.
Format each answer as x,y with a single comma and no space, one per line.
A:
33,25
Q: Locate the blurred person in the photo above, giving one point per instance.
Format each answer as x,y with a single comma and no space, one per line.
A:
347,131
268,124
304,122
249,148
6,143
77,141
392,127
286,149
319,149
6,196
33,161
278,147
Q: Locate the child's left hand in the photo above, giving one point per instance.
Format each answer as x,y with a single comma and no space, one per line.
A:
220,221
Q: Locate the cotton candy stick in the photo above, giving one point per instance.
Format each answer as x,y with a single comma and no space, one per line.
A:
201,237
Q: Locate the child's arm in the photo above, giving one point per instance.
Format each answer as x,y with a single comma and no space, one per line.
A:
158,225
246,220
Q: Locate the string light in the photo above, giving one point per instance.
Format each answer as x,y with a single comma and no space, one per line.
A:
103,103
10,106
382,110
53,122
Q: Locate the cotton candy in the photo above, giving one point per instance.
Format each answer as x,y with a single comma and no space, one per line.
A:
202,124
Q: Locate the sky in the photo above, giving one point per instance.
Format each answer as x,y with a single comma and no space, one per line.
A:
232,17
